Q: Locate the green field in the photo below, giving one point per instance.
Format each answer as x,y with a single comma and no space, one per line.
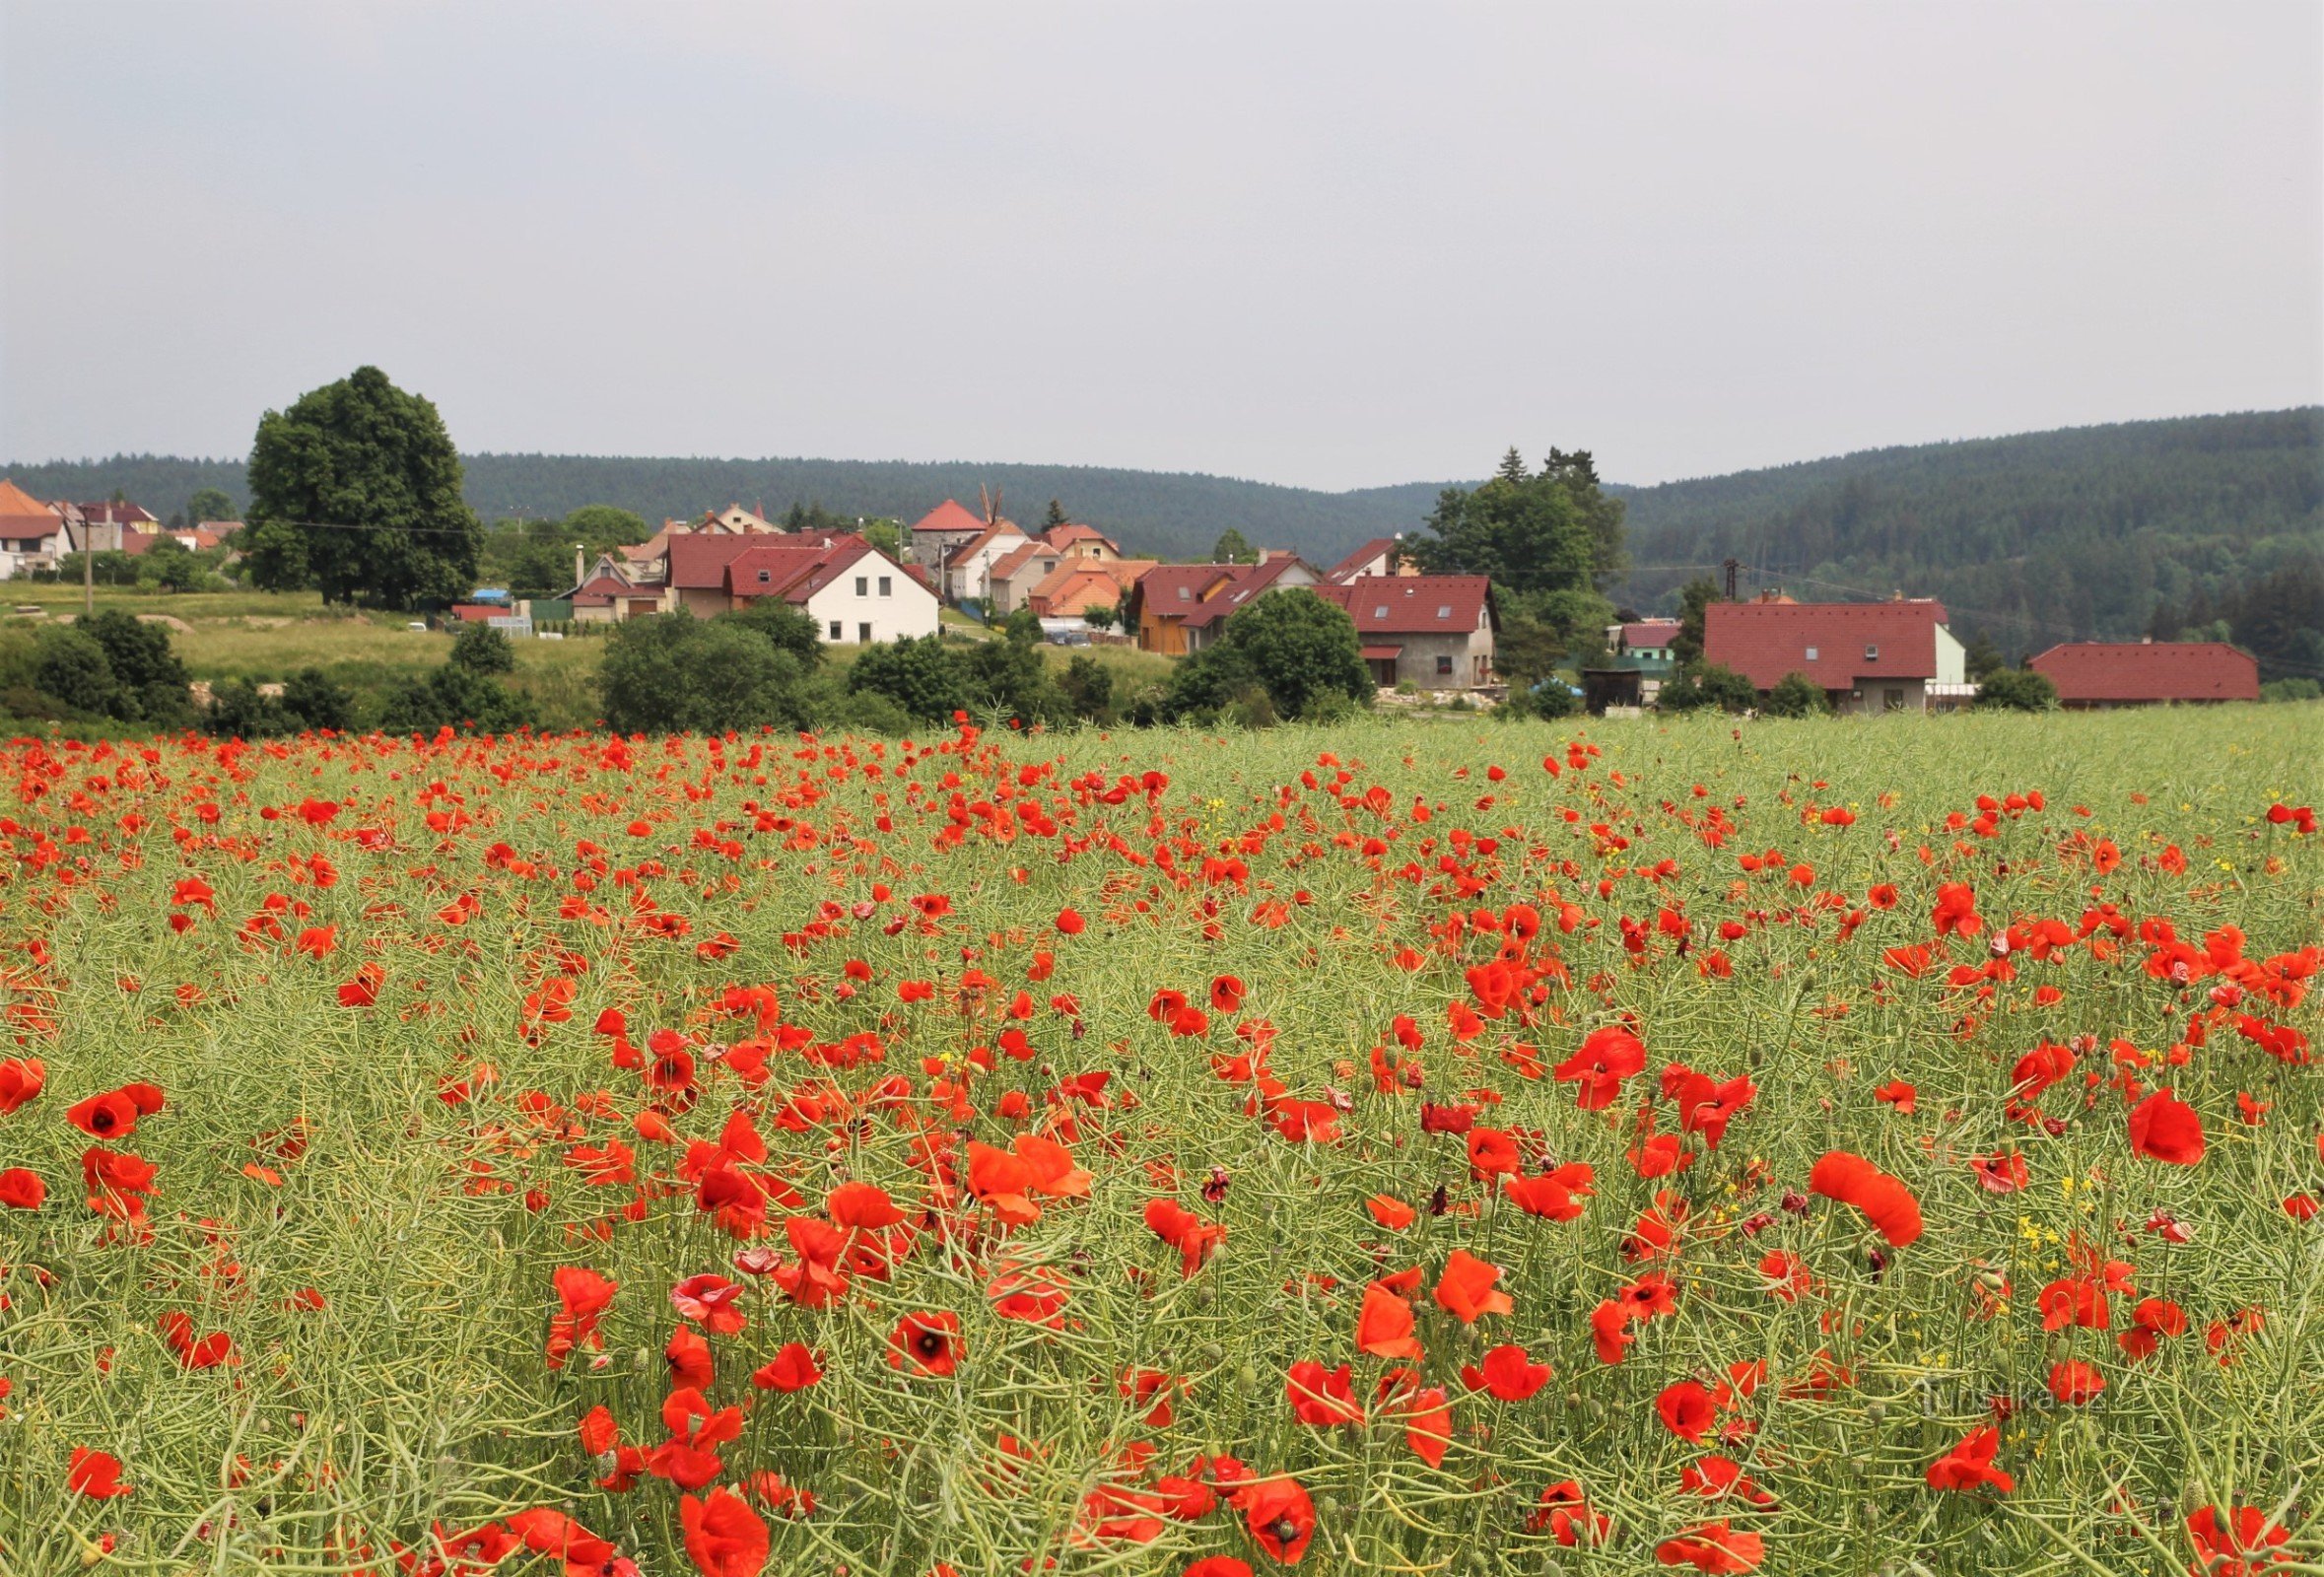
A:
879,1036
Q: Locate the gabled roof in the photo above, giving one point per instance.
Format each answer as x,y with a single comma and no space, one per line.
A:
698,560
1017,558
601,591
112,513
1413,604
2140,670
1652,634
1073,531
950,516
798,568
17,504
1364,557
1765,640
1079,584
984,539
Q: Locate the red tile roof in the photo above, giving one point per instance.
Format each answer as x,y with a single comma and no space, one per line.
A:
1346,568
950,516
601,591
23,515
1245,582
2138,670
1413,604
111,514
1654,634
1073,531
698,560
1764,641
1381,654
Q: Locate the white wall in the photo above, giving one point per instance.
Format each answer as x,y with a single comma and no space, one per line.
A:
909,608
1953,666
968,578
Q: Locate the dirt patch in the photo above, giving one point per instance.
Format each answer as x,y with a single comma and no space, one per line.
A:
170,618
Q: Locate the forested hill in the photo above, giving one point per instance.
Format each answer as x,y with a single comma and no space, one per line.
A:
1163,514
2030,539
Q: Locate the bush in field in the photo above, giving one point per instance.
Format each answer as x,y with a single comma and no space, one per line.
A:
788,630
674,672
2015,690
1088,686
1797,696
481,648
457,697
1691,689
318,701
918,675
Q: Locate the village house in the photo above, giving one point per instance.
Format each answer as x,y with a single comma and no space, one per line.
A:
856,594
2105,674
1012,581
1866,656
938,534
968,568
1433,631
1382,555
28,531
1179,608
1081,585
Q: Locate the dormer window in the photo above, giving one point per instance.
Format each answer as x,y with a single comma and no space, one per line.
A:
761,578
1871,653
1812,653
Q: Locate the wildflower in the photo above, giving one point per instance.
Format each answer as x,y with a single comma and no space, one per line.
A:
1713,1547
724,1538
926,1344
1970,1465
1280,1515
1466,1288
1887,1203
114,1114
2164,1128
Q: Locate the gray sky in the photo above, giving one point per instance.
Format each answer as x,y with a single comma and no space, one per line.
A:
1328,244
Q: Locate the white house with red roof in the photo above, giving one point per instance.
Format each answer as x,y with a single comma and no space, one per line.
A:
1866,656
1433,631
1382,555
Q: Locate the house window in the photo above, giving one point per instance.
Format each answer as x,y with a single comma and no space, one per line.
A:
1871,653
863,585
1893,700
1444,664
1444,610
863,634
1810,653
761,578
1379,612
835,631
1186,593
887,585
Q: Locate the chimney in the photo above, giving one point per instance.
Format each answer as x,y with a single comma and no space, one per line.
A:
2145,640
577,563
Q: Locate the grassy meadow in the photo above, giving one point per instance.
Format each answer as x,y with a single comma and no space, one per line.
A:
1416,1146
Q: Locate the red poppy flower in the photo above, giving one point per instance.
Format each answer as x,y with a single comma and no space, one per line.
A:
2075,1383
1970,1465
21,1079
1887,1203
1218,1566
711,1301
794,1368
1384,1326
2164,1128
96,1474
1565,1512
1466,1290
926,1343
1713,1547
1280,1515
1557,1194
1393,1213
1322,1397
114,1114
2237,1545
582,1298
724,1536
1508,1373
21,1189
118,1183
1606,1056
1226,995
1686,1410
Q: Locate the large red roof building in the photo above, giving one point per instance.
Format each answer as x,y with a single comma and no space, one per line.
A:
2141,674
1866,656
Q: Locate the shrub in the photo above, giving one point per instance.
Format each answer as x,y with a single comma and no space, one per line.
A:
2015,690
1088,687
237,711
675,673
1797,696
481,648
1300,647
918,675
454,696
318,701
75,671
786,629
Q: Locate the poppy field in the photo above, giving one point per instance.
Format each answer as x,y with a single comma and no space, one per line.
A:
1404,1146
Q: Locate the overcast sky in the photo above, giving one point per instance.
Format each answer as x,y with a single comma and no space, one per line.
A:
1326,244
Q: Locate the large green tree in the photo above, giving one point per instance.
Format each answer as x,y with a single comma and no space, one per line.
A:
356,489
208,503
1530,531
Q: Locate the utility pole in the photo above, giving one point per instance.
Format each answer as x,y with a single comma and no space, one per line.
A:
88,571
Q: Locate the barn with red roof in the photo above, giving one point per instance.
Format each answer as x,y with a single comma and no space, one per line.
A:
2098,674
